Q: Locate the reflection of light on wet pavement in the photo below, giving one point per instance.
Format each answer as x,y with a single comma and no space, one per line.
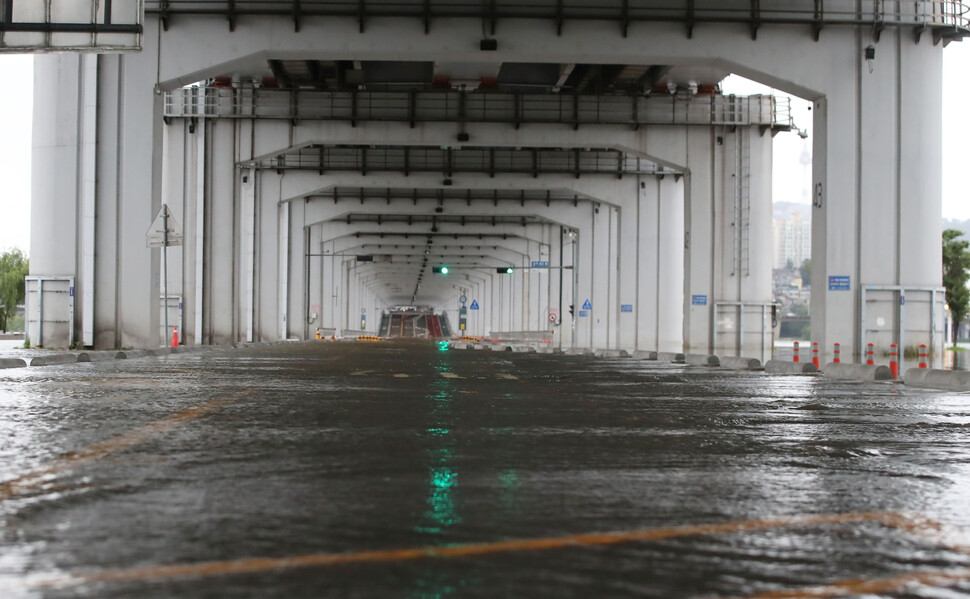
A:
43,475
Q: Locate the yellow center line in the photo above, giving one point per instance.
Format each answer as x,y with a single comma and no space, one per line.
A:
37,477
257,565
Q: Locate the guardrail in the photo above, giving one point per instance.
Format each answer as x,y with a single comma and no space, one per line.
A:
816,13
245,101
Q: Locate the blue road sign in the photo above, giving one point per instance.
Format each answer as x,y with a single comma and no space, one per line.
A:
840,283
587,305
583,313
698,300
540,264
474,305
626,307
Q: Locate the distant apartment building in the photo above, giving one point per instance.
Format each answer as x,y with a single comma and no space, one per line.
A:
793,240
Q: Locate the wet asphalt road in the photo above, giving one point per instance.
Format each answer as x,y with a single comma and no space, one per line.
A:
404,470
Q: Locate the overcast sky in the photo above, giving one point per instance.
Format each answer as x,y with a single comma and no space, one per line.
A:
791,181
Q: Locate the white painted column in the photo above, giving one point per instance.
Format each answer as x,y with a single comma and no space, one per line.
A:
89,123
669,323
248,249
199,163
56,148
648,252
603,277
296,272
283,280
702,188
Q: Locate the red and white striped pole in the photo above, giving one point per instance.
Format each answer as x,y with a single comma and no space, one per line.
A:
894,360
815,354
795,353
838,350
922,357
870,354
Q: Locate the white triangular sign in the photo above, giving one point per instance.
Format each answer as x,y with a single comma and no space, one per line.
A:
156,236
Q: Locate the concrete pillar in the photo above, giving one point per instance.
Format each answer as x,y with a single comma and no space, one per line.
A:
56,199
877,189
669,290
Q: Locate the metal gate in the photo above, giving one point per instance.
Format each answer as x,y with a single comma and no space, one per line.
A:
49,311
745,329
901,315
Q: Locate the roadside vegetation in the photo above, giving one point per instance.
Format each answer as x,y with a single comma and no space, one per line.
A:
956,274
13,269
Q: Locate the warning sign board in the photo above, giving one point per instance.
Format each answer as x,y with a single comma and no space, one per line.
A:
164,230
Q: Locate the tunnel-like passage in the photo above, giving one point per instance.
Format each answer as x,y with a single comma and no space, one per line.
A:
602,163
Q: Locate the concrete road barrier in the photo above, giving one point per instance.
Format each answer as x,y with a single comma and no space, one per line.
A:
867,373
95,356
53,359
523,349
931,378
611,353
701,360
735,363
578,351
666,356
641,354
500,347
13,363
789,367
458,345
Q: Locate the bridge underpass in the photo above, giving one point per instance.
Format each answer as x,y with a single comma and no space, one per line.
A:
322,160
254,123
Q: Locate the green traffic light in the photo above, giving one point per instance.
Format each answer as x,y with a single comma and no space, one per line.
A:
509,270
444,270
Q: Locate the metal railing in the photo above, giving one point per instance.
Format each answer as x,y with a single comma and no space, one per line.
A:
248,102
755,13
422,159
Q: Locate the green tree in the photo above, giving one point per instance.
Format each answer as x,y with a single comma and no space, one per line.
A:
13,269
806,272
956,273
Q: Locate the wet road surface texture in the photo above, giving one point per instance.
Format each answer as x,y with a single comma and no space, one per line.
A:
410,470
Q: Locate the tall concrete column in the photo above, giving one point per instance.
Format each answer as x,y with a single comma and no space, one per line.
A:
669,290
877,186
57,149
298,246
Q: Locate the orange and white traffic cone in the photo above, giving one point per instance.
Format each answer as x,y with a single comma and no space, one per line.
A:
175,337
